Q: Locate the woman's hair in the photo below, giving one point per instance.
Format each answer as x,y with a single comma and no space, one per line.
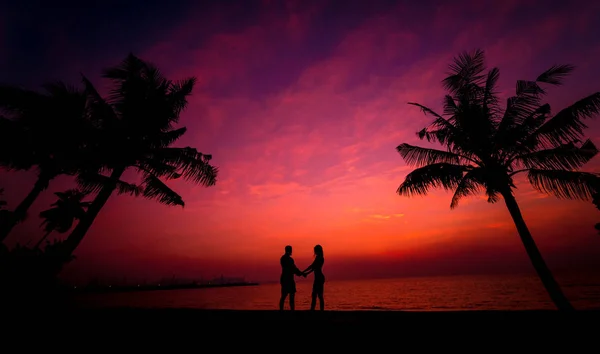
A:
318,250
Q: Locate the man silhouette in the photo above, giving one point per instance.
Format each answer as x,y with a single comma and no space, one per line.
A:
287,281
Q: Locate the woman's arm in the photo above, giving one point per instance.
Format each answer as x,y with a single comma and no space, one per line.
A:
310,269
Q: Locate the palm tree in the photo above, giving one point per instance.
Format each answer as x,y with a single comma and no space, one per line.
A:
486,146
44,130
596,202
2,202
4,213
135,131
60,218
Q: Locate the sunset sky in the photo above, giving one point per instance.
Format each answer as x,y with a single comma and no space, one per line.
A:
302,104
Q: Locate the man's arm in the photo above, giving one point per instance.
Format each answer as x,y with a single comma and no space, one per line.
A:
296,270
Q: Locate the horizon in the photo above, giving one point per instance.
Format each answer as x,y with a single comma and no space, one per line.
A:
301,106
127,281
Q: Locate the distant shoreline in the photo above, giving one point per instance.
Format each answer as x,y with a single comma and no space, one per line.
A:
154,287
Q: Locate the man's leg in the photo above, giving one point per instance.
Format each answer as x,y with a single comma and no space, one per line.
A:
282,300
292,301
313,303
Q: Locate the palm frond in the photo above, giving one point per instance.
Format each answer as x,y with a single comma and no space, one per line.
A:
154,76
490,98
565,184
93,183
129,67
55,220
178,93
518,109
568,157
508,120
48,217
528,94
492,194
158,168
155,189
68,208
467,74
427,110
553,76
440,130
445,132
567,125
534,120
167,138
556,74
419,156
450,106
134,86
419,181
519,138
470,184
530,89
98,109
191,164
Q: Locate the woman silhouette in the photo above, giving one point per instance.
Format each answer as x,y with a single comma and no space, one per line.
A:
319,282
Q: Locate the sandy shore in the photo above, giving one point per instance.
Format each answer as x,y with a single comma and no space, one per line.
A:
243,319
143,327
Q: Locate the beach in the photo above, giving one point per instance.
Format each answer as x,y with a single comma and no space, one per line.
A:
230,319
256,328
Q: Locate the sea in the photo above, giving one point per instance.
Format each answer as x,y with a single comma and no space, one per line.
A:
447,293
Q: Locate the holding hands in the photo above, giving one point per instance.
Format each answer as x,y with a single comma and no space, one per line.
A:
302,273
305,272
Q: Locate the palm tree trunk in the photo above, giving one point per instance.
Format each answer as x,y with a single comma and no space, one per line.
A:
21,210
85,223
37,245
552,287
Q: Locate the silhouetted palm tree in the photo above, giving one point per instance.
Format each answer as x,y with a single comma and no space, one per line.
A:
68,208
136,132
596,202
2,202
487,146
4,213
46,130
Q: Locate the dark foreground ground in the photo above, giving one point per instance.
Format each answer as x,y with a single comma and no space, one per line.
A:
484,331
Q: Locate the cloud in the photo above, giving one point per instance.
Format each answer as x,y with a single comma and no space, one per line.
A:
385,216
276,189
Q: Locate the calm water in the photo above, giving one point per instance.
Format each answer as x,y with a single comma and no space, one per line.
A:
416,294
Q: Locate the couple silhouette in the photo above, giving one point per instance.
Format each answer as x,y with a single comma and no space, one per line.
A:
288,282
